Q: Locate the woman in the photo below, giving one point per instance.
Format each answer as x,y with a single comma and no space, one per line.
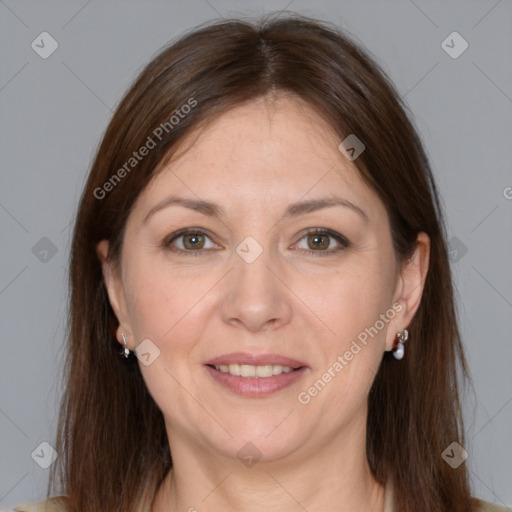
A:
261,233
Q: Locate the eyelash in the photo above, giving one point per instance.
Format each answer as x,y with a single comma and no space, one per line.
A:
344,243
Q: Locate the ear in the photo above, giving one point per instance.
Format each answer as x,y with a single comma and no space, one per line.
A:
114,286
409,289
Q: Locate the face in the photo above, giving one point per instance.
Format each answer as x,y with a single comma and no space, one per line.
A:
263,277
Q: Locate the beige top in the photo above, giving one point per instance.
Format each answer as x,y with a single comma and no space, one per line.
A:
59,504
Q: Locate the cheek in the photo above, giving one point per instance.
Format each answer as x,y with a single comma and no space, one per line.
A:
357,310
353,300
165,305
356,305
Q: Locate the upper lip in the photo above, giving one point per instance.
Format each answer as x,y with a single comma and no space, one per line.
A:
255,359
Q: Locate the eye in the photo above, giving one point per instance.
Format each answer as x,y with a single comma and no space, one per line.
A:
319,242
194,242
190,242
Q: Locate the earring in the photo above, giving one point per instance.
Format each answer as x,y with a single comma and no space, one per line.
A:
398,345
125,351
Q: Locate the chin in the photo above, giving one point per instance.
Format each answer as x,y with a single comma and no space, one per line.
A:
264,440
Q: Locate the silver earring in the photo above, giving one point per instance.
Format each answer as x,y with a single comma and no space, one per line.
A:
125,351
398,346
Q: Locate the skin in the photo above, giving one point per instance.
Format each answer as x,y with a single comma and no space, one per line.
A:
253,162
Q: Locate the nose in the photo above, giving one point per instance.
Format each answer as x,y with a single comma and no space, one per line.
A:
256,296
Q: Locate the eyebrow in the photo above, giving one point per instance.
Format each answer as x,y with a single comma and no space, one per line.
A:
293,210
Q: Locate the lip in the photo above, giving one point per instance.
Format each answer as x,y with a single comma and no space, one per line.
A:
255,360
252,386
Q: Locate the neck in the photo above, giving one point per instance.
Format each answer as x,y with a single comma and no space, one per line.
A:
334,475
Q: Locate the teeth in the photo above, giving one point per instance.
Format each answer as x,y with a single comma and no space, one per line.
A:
234,369
249,370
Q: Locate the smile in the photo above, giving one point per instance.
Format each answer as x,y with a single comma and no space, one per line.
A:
255,381
249,370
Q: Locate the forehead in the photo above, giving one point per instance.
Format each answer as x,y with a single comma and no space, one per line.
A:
268,151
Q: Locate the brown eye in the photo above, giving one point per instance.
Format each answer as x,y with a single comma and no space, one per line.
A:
189,242
318,241
193,241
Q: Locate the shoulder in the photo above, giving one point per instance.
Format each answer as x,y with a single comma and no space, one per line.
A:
56,504
485,506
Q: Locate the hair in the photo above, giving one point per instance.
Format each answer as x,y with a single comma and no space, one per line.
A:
111,436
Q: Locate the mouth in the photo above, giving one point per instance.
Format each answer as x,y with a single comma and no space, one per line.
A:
253,375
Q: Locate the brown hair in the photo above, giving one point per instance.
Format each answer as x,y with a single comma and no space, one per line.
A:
111,439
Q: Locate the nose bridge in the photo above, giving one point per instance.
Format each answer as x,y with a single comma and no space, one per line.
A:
255,295
252,276
252,264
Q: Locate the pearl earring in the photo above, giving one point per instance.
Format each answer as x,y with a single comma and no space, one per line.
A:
125,351
398,345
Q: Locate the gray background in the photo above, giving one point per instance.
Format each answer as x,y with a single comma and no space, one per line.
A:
55,110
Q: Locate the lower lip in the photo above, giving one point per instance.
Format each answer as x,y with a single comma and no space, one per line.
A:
256,387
